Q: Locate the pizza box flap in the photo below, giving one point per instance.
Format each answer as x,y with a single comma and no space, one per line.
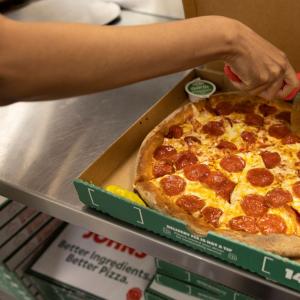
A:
275,20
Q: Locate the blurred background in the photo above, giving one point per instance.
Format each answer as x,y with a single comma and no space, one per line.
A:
114,12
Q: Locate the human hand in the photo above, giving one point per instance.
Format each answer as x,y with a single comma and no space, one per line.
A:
262,68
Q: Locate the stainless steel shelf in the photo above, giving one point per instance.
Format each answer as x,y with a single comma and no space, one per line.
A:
44,146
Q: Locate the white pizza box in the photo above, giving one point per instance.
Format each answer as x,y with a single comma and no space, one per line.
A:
117,164
94,265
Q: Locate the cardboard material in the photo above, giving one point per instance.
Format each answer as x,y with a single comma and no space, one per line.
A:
9,210
275,20
12,268
217,290
90,266
169,288
21,220
116,166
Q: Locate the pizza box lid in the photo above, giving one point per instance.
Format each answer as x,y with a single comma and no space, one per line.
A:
275,20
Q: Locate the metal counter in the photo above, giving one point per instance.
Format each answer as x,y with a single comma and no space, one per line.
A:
44,146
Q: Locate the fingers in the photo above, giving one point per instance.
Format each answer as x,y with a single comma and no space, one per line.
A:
291,82
273,90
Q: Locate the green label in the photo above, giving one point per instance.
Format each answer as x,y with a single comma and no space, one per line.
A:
219,290
266,264
200,88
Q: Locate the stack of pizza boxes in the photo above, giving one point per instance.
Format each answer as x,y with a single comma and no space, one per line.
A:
116,166
172,282
23,232
80,264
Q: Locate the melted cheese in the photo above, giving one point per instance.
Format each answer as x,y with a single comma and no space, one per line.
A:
285,174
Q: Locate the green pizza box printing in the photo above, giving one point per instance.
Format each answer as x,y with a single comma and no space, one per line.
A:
218,290
169,288
116,167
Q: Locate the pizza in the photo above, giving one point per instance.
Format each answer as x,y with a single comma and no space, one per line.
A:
228,164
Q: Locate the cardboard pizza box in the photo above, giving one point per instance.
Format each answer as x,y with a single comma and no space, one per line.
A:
217,290
13,266
275,20
16,224
116,166
167,287
9,210
85,265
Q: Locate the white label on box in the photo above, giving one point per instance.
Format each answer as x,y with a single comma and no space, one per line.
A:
96,264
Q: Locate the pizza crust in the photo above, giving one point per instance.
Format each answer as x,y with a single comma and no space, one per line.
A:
285,245
155,138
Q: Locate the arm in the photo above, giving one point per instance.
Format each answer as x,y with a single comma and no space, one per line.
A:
51,60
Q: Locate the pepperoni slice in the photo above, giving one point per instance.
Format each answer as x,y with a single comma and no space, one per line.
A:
254,120
209,108
190,203
161,168
278,197
267,110
196,172
270,223
254,205
296,188
271,159
244,223
248,137
164,152
173,185
260,177
212,215
279,131
290,139
184,159
244,107
233,163
191,140
224,108
220,184
175,131
284,116
214,128
226,145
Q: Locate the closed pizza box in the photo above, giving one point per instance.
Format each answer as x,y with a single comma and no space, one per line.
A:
80,264
167,287
275,20
217,290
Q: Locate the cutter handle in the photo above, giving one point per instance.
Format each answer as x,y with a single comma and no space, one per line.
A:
233,77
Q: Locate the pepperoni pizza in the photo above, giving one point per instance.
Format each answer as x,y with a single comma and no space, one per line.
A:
229,164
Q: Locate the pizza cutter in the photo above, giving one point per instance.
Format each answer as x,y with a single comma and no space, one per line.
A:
294,95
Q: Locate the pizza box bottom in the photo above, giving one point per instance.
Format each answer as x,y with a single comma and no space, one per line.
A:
116,166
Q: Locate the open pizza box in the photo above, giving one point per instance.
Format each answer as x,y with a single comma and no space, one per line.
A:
117,164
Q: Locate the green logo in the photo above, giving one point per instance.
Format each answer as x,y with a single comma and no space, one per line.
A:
201,88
